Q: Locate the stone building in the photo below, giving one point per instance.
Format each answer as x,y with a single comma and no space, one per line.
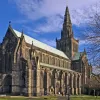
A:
93,86
30,67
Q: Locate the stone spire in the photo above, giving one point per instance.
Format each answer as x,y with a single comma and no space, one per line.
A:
22,35
32,46
67,19
67,25
9,23
32,51
67,41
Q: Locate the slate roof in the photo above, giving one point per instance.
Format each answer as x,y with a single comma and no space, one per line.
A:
77,55
41,45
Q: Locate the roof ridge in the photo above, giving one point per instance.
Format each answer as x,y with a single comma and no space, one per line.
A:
40,41
46,46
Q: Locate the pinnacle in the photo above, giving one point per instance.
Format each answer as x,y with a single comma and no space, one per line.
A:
67,16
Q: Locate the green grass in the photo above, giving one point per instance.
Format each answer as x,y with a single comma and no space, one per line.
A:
23,98
85,98
52,98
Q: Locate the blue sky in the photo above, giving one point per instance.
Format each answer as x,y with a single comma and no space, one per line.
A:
42,19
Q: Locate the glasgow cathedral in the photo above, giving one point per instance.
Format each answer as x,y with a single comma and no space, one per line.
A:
31,68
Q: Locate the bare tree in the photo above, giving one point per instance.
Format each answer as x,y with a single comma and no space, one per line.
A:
91,32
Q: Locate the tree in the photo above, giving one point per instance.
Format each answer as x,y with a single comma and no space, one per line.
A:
91,32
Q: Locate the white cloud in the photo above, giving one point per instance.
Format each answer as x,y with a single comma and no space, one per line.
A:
36,9
53,24
96,70
81,42
84,13
52,11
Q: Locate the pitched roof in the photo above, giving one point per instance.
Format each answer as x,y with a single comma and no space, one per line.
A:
41,45
77,55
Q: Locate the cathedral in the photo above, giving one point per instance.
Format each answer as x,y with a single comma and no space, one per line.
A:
31,68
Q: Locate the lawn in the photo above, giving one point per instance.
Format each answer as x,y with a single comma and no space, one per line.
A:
85,98
25,98
52,98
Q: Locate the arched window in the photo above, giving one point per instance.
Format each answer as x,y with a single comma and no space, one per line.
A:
34,78
67,64
53,60
58,62
40,56
43,58
48,59
63,63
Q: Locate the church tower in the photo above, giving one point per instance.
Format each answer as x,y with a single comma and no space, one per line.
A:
68,44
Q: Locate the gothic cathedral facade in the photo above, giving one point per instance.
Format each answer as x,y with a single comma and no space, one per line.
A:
30,67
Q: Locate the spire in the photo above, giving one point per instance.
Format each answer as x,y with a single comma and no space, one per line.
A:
32,43
67,19
67,25
9,23
32,51
32,46
22,35
22,32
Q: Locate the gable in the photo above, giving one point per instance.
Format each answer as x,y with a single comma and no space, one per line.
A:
10,40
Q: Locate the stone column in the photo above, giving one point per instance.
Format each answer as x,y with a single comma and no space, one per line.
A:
29,79
48,82
37,77
67,79
63,82
38,82
80,84
55,84
67,82
72,89
41,82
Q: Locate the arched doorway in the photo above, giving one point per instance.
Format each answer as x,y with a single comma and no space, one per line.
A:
7,89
